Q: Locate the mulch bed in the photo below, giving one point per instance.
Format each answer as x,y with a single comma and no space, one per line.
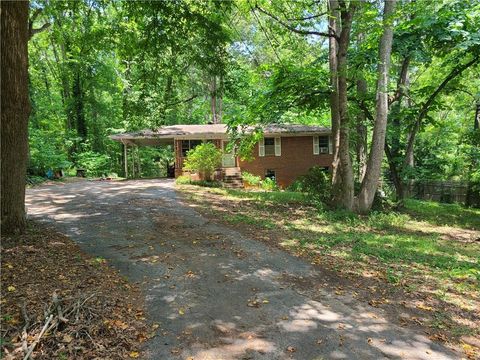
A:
59,303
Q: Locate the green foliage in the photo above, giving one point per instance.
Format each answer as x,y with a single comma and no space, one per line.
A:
94,163
182,180
316,183
46,154
204,159
269,184
251,179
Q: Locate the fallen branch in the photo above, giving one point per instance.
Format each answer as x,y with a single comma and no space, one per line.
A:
32,347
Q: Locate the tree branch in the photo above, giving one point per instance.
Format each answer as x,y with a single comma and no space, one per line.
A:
31,30
456,71
307,17
294,29
182,101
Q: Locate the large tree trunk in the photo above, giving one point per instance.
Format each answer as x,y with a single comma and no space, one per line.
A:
344,188
15,112
369,186
334,28
361,138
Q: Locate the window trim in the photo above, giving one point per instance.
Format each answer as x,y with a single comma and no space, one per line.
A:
277,146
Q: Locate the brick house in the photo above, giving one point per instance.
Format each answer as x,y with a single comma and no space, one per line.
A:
285,152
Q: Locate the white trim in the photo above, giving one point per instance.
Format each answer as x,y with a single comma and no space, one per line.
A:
316,145
278,146
261,147
330,145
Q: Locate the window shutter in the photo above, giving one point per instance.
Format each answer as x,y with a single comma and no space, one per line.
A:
278,146
261,147
330,145
316,146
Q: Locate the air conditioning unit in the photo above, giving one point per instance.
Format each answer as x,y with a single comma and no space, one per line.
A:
324,150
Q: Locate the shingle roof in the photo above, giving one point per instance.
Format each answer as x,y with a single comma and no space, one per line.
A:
214,130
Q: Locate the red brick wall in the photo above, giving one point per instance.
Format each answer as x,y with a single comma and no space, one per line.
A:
296,159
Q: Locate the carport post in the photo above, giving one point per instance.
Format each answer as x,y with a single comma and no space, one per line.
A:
125,159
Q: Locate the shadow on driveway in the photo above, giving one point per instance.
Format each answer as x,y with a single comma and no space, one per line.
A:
214,293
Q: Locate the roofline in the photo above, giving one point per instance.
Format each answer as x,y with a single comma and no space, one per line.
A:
218,136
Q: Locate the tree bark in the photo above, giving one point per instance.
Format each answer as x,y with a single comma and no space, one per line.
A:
15,111
369,186
344,189
213,99
361,138
334,27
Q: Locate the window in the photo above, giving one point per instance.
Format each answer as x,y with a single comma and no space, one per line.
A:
323,144
189,145
269,146
270,174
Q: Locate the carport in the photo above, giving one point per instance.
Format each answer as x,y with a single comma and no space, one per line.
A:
168,135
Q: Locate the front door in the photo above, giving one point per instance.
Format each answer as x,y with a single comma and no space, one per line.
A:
228,158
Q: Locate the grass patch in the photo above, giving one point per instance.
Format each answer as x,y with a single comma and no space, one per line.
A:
283,197
444,214
428,249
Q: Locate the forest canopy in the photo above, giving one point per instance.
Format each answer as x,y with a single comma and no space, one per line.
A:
100,68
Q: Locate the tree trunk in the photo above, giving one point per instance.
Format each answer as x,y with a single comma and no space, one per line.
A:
15,112
334,27
79,111
213,99
361,138
370,182
344,188
396,178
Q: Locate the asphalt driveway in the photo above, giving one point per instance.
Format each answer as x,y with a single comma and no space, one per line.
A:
215,293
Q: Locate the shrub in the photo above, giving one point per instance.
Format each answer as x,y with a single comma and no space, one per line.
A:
269,184
251,179
316,183
182,180
204,159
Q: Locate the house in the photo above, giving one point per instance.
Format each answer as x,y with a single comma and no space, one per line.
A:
285,152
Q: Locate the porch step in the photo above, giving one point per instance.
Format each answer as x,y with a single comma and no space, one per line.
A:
233,171
233,178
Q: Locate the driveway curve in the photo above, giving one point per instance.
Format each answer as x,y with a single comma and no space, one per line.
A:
215,293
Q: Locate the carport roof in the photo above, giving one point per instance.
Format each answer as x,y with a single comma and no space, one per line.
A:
166,134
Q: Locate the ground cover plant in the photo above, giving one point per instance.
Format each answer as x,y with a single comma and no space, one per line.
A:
423,260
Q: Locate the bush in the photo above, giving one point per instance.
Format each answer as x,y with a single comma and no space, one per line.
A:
182,180
204,159
251,179
316,183
269,184
94,163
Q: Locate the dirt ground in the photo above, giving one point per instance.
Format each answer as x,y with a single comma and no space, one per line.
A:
87,309
212,292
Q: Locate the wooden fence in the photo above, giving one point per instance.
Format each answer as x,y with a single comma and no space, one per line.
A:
442,191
